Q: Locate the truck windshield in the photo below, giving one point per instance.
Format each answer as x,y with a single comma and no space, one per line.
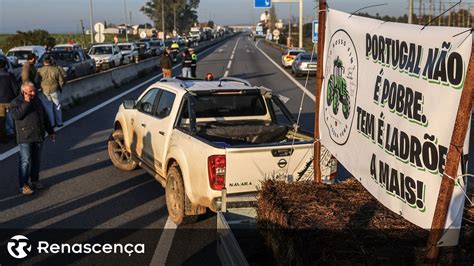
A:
229,106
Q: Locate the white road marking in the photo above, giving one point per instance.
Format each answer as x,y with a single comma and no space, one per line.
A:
310,95
14,150
226,73
164,245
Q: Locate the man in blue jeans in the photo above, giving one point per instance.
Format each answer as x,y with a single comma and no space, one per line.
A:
31,123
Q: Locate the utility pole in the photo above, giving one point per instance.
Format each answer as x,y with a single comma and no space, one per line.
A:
301,25
126,27
91,21
440,18
174,20
163,18
419,13
410,12
83,35
459,16
431,10
289,30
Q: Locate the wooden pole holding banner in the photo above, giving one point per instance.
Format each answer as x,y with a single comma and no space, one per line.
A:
319,83
452,164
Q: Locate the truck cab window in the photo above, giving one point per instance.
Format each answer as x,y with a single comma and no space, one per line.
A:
145,105
165,104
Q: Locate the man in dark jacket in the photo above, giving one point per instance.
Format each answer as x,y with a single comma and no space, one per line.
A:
165,63
8,91
31,123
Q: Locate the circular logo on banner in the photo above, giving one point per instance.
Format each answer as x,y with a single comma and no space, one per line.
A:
19,246
341,83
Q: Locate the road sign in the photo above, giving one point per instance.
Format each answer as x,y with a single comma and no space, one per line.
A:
99,38
315,31
276,32
263,3
99,27
143,35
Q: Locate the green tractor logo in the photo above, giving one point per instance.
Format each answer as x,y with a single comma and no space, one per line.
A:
337,90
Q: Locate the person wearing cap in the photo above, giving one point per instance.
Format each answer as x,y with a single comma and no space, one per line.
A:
28,71
193,62
8,92
51,81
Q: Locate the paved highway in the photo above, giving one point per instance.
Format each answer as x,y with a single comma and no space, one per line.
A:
84,191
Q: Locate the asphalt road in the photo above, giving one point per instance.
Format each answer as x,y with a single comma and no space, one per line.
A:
84,192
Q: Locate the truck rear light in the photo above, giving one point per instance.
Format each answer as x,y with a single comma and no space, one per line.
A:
216,171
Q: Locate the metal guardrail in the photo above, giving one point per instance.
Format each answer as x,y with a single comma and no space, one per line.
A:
228,248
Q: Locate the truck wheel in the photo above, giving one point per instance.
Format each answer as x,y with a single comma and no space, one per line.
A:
120,157
176,200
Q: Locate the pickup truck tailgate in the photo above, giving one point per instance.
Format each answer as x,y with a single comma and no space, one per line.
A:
247,167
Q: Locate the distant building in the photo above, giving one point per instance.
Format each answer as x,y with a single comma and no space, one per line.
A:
111,31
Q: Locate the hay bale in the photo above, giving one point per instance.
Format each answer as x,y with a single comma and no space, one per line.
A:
313,223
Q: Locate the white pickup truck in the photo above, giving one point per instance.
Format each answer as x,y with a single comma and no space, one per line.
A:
198,138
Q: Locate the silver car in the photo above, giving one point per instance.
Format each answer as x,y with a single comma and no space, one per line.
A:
304,63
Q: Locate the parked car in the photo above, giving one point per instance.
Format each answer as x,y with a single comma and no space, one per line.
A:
106,55
67,46
289,56
199,137
157,47
74,62
19,55
129,52
303,64
144,50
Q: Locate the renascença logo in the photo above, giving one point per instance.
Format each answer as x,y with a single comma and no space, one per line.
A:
19,247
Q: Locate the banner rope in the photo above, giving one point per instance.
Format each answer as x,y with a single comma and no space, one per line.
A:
461,187
299,111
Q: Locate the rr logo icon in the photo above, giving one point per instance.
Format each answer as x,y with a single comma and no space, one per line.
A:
19,247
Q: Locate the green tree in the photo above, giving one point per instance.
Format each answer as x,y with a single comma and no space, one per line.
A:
35,37
210,24
186,14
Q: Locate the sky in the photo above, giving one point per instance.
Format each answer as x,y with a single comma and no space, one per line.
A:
63,16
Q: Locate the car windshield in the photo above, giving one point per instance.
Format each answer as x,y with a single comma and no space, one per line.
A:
60,56
229,106
125,47
295,52
21,55
101,50
308,57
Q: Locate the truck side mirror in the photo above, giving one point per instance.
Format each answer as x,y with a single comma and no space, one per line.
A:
129,104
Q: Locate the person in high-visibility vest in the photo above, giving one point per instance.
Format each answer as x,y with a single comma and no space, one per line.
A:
194,62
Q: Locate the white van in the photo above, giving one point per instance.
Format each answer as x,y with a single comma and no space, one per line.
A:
19,55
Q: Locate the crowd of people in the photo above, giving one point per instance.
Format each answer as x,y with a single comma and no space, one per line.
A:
188,64
28,111
32,110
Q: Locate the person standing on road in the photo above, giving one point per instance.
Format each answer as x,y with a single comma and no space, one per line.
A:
31,123
28,71
193,62
8,92
51,81
165,63
187,61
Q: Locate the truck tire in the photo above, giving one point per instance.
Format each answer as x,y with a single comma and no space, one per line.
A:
176,199
118,154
